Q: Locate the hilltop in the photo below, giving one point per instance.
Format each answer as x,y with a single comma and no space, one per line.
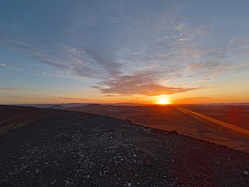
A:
79,149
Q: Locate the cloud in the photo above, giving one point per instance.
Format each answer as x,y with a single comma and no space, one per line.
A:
140,83
10,89
71,98
211,68
193,100
204,80
191,52
221,69
180,26
50,98
204,66
88,63
143,89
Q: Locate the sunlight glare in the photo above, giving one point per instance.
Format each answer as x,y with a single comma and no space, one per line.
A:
163,101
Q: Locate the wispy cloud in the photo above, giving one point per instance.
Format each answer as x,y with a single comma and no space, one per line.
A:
10,89
204,80
211,68
143,89
193,100
50,98
140,83
204,66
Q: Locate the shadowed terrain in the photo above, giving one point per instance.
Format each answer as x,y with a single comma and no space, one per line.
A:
69,148
12,115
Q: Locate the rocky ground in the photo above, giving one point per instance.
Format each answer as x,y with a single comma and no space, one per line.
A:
77,149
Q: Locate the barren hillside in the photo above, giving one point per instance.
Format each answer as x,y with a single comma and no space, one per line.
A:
77,149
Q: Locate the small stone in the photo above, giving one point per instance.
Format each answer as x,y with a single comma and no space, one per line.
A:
53,182
246,172
37,170
148,163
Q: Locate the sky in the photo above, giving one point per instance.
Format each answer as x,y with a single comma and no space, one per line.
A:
124,51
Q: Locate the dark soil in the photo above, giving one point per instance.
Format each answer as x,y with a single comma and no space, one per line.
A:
77,149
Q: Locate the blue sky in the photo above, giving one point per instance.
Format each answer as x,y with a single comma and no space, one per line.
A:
123,51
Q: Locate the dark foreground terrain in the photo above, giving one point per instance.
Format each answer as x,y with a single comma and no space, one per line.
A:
169,117
78,149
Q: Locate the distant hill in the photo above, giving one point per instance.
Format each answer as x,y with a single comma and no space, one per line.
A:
56,106
53,105
78,104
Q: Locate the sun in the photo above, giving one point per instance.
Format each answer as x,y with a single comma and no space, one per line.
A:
163,101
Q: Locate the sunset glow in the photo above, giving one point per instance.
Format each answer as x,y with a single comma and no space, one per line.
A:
163,101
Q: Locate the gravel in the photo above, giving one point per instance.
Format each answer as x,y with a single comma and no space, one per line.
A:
78,149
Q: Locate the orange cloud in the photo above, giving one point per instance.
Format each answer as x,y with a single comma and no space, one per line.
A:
144,89
142,83
192,100
204,80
